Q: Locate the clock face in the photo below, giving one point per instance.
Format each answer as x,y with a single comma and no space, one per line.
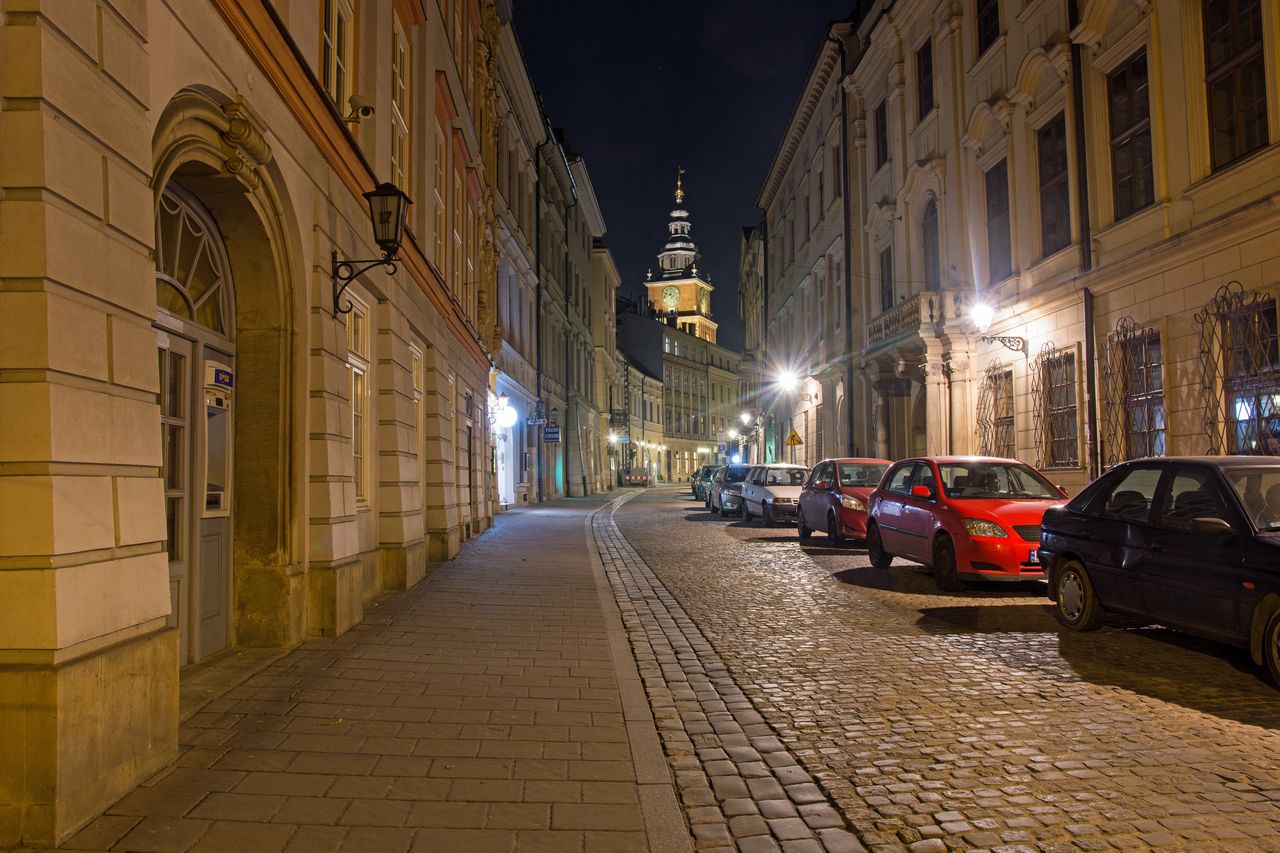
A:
671,296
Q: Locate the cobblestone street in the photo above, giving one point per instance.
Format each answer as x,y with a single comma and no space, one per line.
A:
969,720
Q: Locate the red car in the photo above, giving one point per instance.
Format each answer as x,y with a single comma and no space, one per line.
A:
965,517
834,497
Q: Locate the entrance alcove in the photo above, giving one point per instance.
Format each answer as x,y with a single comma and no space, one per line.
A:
210,151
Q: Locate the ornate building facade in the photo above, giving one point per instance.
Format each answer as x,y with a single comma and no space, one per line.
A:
1063,229
202,447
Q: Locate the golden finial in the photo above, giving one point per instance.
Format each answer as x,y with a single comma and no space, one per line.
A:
679,188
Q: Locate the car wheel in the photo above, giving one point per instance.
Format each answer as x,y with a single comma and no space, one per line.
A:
766,515
1076,604
802,529
1271,647
880,558
944,567
833,529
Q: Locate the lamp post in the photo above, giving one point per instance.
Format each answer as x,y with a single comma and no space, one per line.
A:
981,315
388,211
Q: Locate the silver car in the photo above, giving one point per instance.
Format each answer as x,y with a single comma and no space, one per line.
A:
724,493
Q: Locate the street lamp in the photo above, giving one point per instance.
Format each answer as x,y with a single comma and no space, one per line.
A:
733,433
388,210
787,381
746,419
613,438
982,315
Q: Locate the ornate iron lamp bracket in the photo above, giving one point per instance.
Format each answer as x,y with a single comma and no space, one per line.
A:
344,272
1012,343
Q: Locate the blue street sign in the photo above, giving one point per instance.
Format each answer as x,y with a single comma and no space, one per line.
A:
551,433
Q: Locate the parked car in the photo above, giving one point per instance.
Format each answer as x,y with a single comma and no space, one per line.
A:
965,517
724,493
835,497
770,492
699,479
1190,542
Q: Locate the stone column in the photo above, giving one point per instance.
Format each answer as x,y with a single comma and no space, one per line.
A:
937,407
88,665
963,403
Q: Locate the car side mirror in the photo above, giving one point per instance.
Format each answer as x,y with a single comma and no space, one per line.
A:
1065,493
822,485
922,492
1210,526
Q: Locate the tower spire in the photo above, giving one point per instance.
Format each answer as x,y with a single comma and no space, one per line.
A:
679,188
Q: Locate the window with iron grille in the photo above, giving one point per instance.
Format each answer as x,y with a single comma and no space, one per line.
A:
886,279
1252,379
1129,110
1053,395
932,252
999,251
1133,416
988,12
924,79
996,435
882,135
1055,208
1236,79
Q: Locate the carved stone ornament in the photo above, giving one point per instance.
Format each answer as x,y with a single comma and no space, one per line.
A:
245,147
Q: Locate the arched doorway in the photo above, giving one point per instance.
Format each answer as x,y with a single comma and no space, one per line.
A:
195,320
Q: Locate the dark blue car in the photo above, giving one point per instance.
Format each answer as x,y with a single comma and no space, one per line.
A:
1191,542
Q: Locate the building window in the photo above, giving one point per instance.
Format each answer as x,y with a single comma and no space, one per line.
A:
837,172
882,134
838,300
988,12
1055,206
1054,400
1144,396
932,251
924,79
886,279
401,69
1240,353
358,349
336,61
996,435
441,194
1129,110
999,252
1235,76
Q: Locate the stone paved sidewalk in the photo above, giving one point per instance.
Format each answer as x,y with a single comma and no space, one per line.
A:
493,707
740,786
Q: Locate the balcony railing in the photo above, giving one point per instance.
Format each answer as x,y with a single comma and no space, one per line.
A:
924,313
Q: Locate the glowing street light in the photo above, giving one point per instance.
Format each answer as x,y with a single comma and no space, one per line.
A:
733,433
746,418
613,438
982,314
787,381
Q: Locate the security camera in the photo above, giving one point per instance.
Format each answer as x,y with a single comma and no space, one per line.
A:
361,108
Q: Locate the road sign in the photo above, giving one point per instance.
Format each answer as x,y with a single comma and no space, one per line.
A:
551,433
794,439
535,421
722,448
624,439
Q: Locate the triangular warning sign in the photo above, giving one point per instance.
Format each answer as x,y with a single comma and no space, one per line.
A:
794,439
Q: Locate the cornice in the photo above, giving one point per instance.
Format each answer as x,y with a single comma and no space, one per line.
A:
259,31
823,66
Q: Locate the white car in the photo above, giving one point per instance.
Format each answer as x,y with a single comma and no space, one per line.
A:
772,492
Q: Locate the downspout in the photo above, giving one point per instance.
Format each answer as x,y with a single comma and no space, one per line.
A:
845,241
568,350
1094,447
764,331
537,311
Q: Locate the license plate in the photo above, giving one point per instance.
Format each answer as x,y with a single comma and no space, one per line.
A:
1035,556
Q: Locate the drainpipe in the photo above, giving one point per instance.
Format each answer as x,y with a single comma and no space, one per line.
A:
1094,447
537,309
764,331
845,241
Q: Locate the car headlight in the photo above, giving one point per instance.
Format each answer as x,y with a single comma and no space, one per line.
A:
982,527
852,503
733,491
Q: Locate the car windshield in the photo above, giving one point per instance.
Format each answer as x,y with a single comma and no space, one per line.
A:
709,472
995,480
785,477
1259,491
861,474
735,474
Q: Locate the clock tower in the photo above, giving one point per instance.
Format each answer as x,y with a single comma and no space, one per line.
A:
680,293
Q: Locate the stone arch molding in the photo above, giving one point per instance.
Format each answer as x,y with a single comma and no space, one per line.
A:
988,123
1095,19
217,148
1040,74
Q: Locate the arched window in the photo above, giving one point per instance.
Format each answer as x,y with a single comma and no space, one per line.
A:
192,272
932,255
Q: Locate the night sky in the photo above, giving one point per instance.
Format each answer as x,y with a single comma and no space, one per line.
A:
641,87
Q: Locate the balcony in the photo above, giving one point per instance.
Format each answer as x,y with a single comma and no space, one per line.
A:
924,313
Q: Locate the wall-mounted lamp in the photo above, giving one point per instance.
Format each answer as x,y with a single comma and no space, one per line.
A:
388,210
982,315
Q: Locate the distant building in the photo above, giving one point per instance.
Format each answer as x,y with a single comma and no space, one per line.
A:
676,336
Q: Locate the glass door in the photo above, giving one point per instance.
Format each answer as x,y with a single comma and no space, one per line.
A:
175,426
